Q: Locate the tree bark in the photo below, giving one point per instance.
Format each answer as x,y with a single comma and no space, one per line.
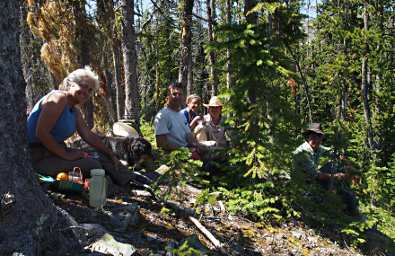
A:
343,106
132,99
28,220
185,72
106,17
364,83
212,55
83,57
252,18
119,89
229,81
37,77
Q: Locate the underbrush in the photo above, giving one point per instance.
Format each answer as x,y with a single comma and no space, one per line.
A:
272,198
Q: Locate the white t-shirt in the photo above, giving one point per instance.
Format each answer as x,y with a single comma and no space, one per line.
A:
173,124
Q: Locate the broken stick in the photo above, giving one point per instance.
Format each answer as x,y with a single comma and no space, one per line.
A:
207,233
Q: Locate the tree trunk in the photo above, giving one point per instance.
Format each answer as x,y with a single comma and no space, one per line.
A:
229,81
251,18
185,72
108,98
119,89
132,99
106,17
38,79
364,83
82,45
343,101
212,56
28,220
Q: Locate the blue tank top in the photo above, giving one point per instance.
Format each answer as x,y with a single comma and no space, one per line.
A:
64,127
189,116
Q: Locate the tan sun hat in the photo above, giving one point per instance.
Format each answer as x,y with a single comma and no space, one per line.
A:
313,127
214,102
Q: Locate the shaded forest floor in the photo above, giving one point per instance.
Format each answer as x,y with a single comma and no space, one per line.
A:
157,230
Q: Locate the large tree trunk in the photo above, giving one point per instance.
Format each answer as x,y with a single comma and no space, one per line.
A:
37,77
365,84
212,56
82,42
343,106
132,99
106,20
107,17
252,18
28,220
185,72
229,81
119,89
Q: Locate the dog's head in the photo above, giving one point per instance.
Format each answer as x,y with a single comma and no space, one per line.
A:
138,150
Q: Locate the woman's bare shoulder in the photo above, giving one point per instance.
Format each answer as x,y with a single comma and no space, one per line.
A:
58,97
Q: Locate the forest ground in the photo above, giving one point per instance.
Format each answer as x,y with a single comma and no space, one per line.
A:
160,230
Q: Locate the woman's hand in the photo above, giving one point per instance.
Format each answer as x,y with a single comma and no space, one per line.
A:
75,154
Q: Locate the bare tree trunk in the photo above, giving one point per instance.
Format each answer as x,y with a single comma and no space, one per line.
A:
342,113
106,17
185,72
229,81
343,101
212,55
82,45
252,18
108,99
119,89
365,85
29,221
132,99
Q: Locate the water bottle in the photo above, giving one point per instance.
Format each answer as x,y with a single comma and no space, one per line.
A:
97,188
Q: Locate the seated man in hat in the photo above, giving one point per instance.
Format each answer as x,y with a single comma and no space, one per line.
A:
306,166
210,131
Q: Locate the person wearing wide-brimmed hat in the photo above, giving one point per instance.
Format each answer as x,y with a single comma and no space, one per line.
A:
211,129
306,165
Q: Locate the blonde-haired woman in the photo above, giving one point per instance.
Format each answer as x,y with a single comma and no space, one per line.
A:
193,102
55,118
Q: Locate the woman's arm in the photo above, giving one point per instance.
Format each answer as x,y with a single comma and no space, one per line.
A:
51,109
91,138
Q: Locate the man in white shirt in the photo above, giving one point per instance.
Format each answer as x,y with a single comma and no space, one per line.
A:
171,129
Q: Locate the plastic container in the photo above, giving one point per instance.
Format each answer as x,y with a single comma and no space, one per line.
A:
97,188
